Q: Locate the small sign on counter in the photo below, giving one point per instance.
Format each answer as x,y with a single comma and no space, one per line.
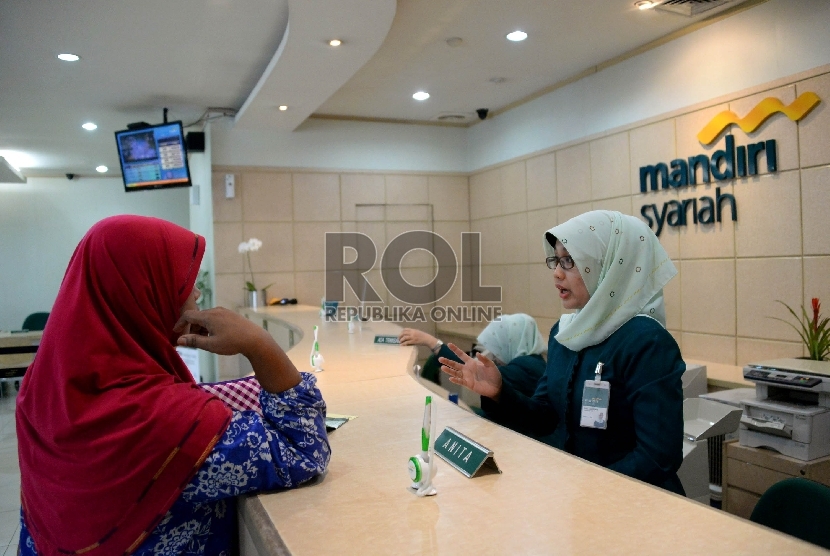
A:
334,421
464,454
390,340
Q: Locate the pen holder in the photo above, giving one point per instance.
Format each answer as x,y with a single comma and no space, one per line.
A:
423,466
316,358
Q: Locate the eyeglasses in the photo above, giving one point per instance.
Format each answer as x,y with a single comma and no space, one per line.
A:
565,262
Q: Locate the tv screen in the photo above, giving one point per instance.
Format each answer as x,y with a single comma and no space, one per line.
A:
153,157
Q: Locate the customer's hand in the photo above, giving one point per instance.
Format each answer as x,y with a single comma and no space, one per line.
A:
228,333
479,375
415,337
219,331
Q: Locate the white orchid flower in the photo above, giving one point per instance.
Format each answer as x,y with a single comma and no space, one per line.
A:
245,248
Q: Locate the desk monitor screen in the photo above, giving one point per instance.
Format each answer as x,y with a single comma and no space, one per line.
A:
153,157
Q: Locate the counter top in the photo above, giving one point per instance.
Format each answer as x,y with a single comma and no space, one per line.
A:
724,376
544,501
17,351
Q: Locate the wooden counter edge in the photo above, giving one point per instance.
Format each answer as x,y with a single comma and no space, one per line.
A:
255,521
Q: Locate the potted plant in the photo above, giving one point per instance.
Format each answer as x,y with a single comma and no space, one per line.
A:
203,284
251,299
814,332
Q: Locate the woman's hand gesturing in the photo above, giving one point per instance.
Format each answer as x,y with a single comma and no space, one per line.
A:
221,331
479,375
226,332
415,337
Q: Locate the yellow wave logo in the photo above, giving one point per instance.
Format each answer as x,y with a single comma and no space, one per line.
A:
799,108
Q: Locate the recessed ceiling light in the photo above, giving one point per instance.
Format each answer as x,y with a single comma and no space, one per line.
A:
89,126
69,57
335,42
421,95
498,79
454,41
516,36
645,4
101,169
283,108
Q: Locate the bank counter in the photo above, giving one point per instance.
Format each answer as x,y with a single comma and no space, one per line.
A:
544,502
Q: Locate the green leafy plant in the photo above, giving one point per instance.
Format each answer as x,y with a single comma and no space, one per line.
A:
815,331
245,248
203,284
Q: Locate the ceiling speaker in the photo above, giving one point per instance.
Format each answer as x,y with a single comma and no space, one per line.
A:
195,141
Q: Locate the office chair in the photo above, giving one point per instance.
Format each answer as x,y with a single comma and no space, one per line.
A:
35,321
798,507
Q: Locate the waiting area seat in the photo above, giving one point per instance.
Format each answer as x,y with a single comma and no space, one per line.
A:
18,348
797,507
35,321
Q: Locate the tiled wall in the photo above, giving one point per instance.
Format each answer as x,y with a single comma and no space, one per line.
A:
730,273
290,211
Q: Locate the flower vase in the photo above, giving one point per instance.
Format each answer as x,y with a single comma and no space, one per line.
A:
264,299
251,299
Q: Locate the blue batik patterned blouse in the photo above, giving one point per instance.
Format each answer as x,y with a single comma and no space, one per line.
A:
282,448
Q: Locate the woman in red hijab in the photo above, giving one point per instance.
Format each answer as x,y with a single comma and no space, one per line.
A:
120,451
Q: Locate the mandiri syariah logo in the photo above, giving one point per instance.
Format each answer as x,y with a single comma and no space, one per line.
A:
795,111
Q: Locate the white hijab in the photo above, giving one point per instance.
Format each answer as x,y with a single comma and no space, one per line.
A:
512,336
624,268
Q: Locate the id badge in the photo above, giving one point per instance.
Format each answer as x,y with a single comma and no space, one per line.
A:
595,397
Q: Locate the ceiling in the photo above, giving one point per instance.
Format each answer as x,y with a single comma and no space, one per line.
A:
219,58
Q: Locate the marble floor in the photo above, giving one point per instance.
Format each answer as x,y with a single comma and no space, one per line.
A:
9,473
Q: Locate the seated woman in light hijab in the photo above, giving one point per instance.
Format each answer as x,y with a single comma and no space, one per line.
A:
513,343
612,390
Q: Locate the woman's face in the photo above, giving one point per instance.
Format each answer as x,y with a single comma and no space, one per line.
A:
190,302
190,305
569,283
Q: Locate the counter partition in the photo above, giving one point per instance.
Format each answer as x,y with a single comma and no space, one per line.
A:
545,501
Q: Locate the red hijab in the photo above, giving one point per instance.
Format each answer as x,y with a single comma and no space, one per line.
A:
110,423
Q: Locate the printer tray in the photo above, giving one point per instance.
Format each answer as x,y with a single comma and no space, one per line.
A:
785,446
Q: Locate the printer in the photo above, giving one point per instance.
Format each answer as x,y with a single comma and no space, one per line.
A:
791,409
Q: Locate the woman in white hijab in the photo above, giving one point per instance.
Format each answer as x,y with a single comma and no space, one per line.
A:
612,390
512,342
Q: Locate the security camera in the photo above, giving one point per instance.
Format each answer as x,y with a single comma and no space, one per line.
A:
482,113
70,177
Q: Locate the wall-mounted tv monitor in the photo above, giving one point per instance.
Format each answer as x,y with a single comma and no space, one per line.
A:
153,157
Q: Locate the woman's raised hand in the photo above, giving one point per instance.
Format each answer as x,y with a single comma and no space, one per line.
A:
221,331
225,332
479,375
415,337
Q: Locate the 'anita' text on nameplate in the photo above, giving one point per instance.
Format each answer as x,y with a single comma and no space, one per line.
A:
464,454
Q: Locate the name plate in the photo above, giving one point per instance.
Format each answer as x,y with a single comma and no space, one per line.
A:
391,340
465,454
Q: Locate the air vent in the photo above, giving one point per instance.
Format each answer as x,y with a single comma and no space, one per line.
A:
453,117
691,8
